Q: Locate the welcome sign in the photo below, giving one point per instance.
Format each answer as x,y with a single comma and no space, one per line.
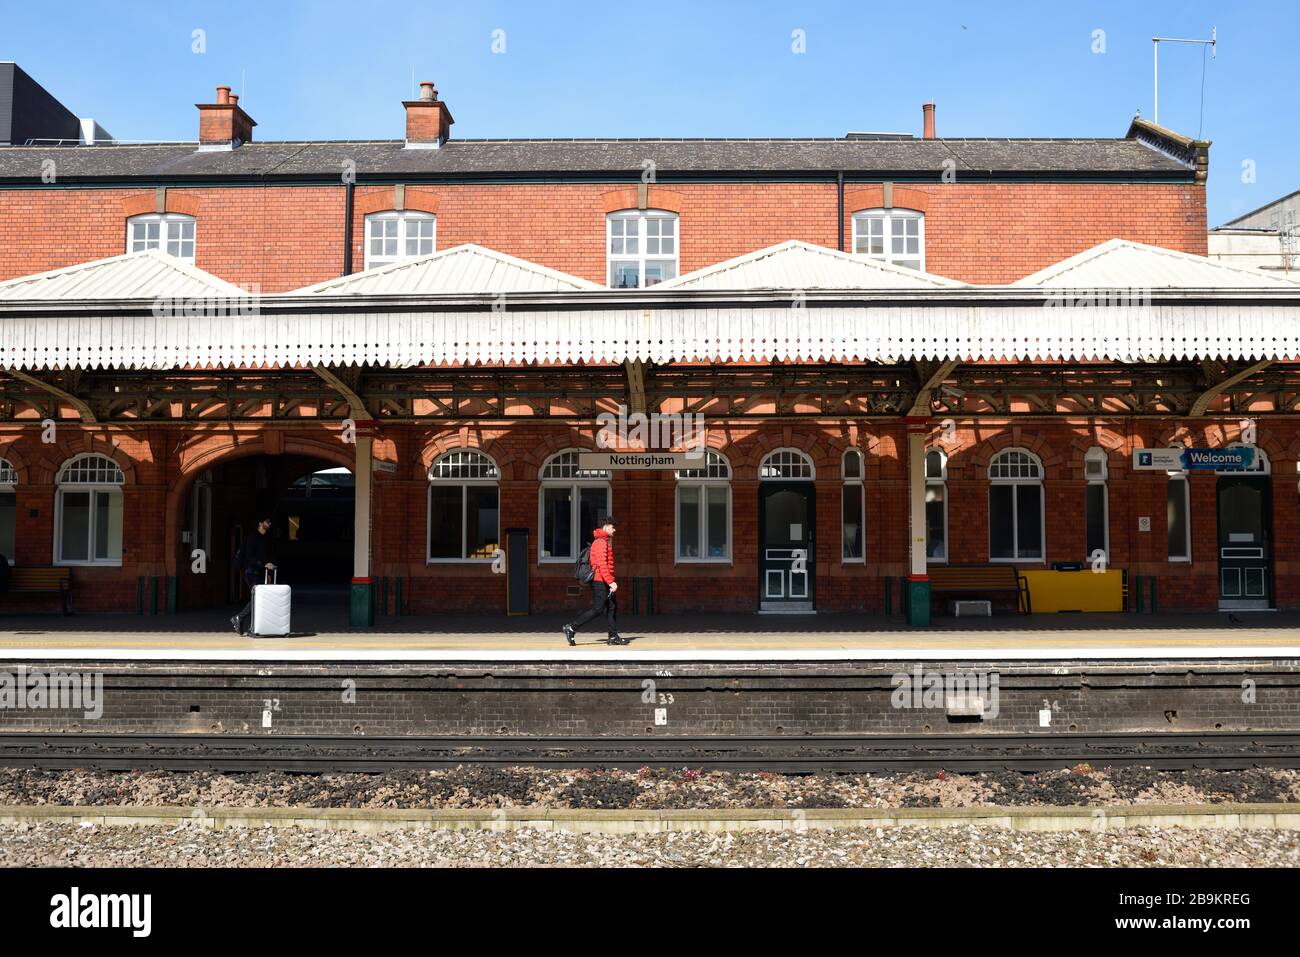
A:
1191,460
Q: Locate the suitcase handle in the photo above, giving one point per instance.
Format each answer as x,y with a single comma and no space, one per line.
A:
270,576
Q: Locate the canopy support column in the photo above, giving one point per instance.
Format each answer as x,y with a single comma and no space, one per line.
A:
917,598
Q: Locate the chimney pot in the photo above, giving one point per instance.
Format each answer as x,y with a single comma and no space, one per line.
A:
223,94
927,114
427,90
234,99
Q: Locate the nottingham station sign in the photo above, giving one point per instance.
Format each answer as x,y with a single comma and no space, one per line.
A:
640,461
1238,459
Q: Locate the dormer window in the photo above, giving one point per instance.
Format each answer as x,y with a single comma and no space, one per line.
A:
394,236
641,248
172,233
891,235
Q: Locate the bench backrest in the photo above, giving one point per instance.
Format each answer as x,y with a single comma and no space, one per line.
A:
21,577
974,576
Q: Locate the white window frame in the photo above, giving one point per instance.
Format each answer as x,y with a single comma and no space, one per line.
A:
940,481
166,222
402,218
95,487
716,473
641,257
850,484
1014,480
888,217
9,486
471,461
1098,454
779,460
575,479
1180,475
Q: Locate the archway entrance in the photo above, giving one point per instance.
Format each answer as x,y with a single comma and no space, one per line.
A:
310,502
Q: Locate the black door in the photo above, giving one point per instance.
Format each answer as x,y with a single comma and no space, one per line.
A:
786,516
1245,546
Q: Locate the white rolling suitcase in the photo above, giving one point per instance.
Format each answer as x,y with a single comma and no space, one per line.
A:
271,609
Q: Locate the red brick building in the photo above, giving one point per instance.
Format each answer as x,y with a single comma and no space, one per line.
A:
883,334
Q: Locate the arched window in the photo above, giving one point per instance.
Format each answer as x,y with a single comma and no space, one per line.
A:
936,506
571,501
172,233
704,511
641,247
8,509
393,236
88,512
786,464
1096,507
1178,514
891,235
853,508
1016,507
464,507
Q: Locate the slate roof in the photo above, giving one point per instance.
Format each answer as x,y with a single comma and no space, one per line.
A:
685,158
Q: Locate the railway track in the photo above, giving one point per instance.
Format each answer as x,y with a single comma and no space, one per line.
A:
803,754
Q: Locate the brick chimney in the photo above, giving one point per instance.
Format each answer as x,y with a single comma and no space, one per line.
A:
927,116
224,124
428,121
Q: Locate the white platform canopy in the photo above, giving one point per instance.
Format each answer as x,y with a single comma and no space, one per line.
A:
470,305
798,265
143,275
1121,264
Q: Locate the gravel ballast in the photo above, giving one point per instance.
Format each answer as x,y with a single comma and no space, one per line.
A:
187,845
475,787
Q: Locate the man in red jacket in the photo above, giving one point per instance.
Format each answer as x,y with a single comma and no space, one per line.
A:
603,586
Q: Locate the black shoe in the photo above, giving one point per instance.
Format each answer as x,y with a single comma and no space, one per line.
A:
234,623
618,640
568,634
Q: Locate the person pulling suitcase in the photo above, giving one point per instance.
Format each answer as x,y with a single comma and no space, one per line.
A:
253,560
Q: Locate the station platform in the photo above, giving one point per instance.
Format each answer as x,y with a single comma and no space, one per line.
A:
322,634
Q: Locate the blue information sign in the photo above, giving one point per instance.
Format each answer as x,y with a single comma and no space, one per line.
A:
1219,460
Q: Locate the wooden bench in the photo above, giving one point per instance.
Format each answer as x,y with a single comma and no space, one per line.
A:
37,580
982,580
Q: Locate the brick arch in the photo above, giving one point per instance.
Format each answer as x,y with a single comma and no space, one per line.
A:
45,470
228,451
416,199
873,197
982,454
142,204
619,200
14,457
462,438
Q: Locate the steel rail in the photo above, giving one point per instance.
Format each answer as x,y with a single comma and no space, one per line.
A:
793,754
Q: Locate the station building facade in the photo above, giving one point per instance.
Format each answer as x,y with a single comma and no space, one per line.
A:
906,353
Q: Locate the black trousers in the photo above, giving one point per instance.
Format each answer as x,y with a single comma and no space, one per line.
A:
603,601
246,615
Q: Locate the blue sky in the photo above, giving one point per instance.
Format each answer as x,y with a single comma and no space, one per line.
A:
337,70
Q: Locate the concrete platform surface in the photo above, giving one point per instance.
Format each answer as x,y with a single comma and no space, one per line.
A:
321,633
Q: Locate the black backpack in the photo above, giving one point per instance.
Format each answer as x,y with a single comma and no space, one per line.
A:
582,569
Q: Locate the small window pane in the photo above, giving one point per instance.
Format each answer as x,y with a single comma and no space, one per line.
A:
624,275
1029,521
557,523
936,544
481,519
1001,522
852,521
594,506
718,532
688,521
74,544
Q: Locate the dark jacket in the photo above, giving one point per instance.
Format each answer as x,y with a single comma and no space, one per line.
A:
602,557
257,552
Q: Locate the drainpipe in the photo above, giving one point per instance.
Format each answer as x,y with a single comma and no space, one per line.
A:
839,210
347,228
